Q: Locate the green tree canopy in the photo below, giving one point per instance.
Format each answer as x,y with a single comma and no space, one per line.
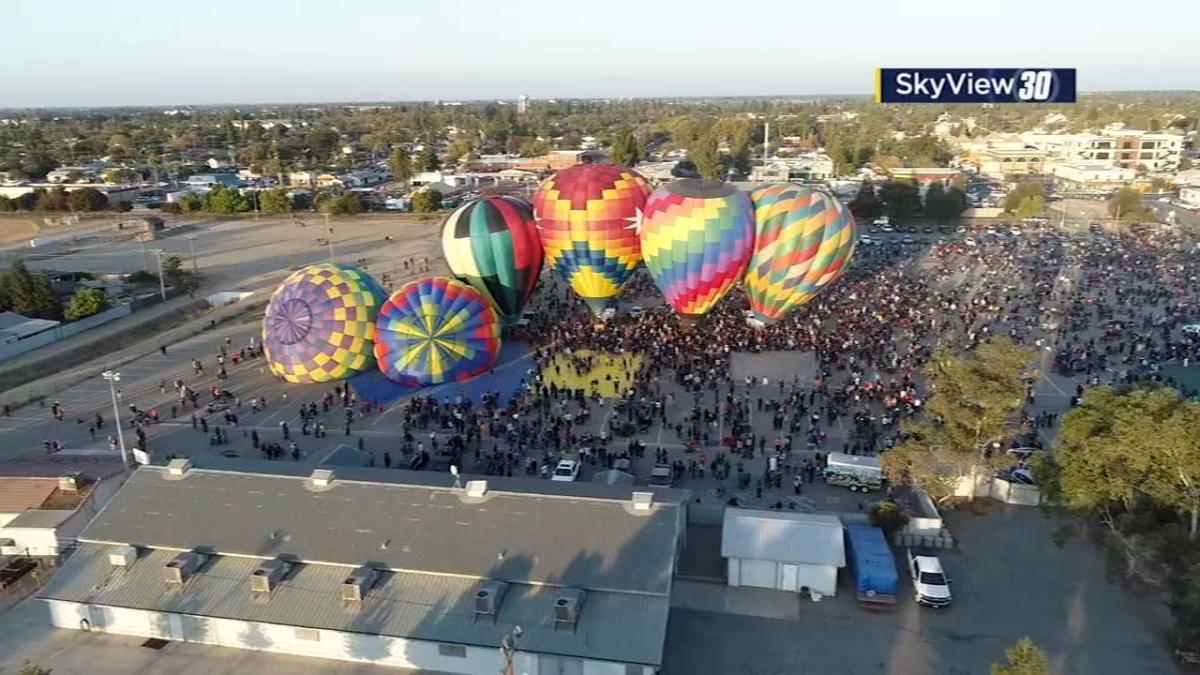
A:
30,294
866,204
972,403
223,199
85,302
704,154
428,159
1126,204
625,150
1023,658
425,201
901,199
1023,190
400,164
345,204
87,199
274,201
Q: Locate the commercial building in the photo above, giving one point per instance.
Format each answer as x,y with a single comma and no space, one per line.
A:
924,175
1190,196
1113,146
1010,156
1091,177
787,551
811,166
210,180
382,566
45,504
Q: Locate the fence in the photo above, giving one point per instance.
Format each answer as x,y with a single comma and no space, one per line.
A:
62,330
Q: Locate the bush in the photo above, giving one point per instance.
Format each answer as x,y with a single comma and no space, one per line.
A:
888,516
86,302
142,277
171,208
426,201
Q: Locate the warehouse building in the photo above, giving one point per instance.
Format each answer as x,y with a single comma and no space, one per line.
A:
381,566
783,550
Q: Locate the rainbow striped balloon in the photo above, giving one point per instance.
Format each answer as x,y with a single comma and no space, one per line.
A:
804,241
320,324
588,217
696,239
436,330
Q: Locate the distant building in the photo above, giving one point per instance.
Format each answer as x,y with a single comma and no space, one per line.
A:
522,104
89,172
924,175
16,327
552,161
1190,196
303,178
392,568
1010,156
216,163
45,504
1189,177
1091,177
810,166
657,172
1114,146
211,180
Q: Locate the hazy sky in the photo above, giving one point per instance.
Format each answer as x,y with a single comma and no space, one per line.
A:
85,52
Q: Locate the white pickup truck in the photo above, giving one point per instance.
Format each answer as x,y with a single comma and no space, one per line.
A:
930,585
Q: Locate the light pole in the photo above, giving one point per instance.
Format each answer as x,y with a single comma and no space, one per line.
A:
329,236
192,248
162,284
508,650
113,378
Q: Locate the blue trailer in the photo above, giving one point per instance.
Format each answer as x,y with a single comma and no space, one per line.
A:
875,576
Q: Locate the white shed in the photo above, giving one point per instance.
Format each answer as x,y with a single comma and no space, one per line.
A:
783,550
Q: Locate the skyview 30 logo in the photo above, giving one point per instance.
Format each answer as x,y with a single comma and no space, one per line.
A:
975,85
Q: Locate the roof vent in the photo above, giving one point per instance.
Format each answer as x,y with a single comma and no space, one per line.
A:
122,556
70,482
182,567
268,574
322,478
567,605
476,488
642,501
488,596
179,466
357,583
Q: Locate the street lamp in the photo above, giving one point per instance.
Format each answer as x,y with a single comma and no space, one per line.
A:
113,378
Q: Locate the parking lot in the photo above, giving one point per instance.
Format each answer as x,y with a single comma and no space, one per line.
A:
1008,581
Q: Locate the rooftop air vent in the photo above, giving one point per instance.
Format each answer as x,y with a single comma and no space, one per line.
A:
268,574
179,466
476,488
567,605
488,596
182,567
642,501
356,584
122,556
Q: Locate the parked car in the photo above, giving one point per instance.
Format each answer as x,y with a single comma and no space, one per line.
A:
970,242
661,476
931,588
566,471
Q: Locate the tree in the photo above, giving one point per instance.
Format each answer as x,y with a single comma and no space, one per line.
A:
900,199
52,200
274,201
28,668
625,150
1030,206
428,159
223,199
87,199
1023,658
865,204
400,164
190,203
30,294
1023,190
425,201
704,154
1126,204
172,269
7,204
345,204
973,400
1121,446
86,302
462,147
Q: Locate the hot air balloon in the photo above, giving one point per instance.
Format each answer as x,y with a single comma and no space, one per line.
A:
803,242
436,330
696,238
492,245
588,216
320,323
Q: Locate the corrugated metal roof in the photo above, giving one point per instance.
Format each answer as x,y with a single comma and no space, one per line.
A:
807,538
18,494
621,627
598,544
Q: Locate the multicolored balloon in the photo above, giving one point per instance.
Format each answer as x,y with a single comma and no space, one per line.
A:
320,323
436,330
804,241
588,216
696,238
492,245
